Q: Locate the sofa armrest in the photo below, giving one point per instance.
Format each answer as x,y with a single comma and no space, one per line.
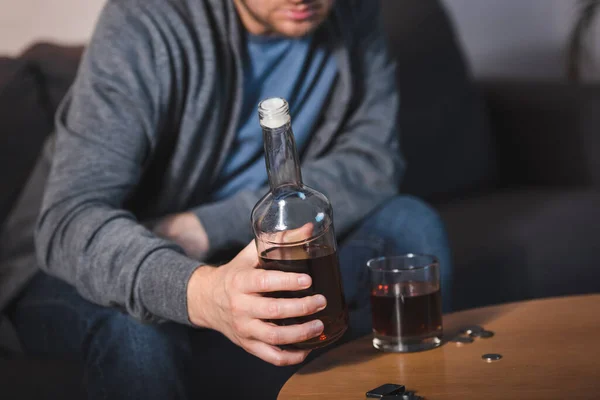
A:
546,133
9,343
58,67
25,121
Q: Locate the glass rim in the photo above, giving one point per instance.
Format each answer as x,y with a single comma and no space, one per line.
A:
432,261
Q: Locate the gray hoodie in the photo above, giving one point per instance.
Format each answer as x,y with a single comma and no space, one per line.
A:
147,126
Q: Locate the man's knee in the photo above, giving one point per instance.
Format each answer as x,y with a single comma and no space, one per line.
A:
126,356
130,340
408,214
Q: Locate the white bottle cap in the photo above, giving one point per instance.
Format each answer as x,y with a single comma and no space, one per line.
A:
274,112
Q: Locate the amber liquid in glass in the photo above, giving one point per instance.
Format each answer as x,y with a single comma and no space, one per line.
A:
407,310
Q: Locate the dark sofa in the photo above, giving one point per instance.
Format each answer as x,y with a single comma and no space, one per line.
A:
511,166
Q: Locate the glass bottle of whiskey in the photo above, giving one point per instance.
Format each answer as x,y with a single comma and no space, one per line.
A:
293,227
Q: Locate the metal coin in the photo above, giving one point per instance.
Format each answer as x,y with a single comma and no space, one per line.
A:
467,330
483,334
491,357
462,339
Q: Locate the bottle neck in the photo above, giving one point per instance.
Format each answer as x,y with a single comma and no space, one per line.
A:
283,167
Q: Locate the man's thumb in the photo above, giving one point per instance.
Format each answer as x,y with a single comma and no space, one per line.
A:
248,255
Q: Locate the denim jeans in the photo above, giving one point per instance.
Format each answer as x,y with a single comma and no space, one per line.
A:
125,359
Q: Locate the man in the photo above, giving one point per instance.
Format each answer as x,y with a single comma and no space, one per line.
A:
155,166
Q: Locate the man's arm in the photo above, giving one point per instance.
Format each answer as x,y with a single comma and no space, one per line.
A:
105,131
363,167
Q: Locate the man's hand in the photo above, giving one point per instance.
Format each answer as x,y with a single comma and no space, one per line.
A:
228,299
187,231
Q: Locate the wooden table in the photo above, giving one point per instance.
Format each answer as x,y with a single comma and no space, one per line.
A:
550,349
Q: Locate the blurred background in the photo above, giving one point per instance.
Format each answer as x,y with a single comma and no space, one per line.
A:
509,38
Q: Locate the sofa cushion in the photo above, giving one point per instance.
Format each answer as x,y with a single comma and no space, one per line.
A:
546,133
443,125
24,124
516,245
41,379
589,126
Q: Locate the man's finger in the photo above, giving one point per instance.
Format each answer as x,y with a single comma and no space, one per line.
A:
298,235
270,308
293,235
274,355
264,281
279,335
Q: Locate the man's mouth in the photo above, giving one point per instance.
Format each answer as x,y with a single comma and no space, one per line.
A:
301,15
303,12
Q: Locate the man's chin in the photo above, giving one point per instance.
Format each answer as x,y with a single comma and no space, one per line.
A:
297,29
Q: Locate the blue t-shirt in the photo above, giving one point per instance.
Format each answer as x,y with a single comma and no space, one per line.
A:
300,70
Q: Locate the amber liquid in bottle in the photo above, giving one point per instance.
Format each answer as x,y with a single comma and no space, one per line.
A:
321,263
